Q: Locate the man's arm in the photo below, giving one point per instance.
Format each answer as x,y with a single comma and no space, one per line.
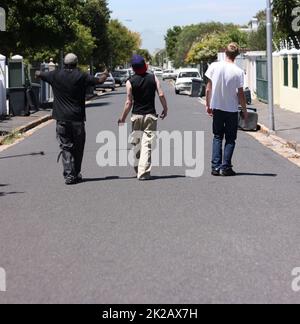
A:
128,104
45,76
208,98
162,99
243,103
102,78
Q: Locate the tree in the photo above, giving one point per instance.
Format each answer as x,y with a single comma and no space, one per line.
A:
36,25
83,45
160,58
261,16
193,33
145,54
257,41
95,14
123,43
171,41
208,48
282,10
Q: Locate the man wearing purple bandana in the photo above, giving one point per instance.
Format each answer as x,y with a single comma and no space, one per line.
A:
141,92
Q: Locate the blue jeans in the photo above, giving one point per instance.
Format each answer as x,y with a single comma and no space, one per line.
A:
225,124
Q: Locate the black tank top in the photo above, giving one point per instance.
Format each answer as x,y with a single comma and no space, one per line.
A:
144,91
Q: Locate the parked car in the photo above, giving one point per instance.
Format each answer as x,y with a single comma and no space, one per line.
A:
110,83
121,76
169,75
158,72
184,80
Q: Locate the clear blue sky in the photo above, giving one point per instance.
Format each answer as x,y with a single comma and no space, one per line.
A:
152,18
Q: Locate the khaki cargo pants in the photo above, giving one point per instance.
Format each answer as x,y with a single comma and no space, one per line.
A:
142,138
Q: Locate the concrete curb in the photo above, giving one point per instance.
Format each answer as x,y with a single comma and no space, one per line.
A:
265,130
27,127
290,144
36,123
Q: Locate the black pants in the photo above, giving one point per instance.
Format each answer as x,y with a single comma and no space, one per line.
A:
71,137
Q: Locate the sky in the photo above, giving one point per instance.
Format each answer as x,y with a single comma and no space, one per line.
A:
152,18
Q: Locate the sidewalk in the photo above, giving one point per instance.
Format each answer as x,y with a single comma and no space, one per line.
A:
287,123
18,124
11,125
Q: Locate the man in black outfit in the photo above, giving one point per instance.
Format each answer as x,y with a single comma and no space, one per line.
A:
69,87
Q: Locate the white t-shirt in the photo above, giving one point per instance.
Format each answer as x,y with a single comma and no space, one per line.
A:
226,79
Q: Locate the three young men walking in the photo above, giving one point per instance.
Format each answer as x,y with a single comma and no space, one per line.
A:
225,90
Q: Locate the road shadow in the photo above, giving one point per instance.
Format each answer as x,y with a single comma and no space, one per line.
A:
3,194
97,104
272,175
22,155
168,177
115,93
106,179
153,178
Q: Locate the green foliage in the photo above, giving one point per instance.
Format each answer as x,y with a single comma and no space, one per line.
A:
171,41
195,33
84,43
40,30
208,48
123,43
282,10
160,58
145,53
95,14
35,25
257,41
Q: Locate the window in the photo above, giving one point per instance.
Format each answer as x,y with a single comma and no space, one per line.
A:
295,72
189,75
286,71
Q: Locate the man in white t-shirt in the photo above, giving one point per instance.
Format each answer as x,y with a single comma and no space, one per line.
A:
225,90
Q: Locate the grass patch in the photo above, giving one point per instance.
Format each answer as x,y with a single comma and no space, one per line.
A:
11,138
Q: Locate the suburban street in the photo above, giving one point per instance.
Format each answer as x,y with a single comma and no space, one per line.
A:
112,239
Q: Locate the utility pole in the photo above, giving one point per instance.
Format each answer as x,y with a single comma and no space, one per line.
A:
270,65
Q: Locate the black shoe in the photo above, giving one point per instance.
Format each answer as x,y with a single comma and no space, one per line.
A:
215,173
71,181
79,178
145,178
228,173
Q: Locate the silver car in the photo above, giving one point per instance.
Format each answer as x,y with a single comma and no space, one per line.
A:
110,83
169,75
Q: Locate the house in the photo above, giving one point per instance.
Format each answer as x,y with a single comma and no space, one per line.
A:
287,79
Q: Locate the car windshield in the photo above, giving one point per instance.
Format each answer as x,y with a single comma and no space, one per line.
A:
189,75
97,75
120,73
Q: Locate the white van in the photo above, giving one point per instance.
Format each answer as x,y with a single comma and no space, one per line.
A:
184,80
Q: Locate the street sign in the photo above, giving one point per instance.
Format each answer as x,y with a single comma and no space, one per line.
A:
2,19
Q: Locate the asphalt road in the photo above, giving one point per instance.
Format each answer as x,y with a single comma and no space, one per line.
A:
113,239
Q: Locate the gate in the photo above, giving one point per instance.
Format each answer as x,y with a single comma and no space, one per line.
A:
262,79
